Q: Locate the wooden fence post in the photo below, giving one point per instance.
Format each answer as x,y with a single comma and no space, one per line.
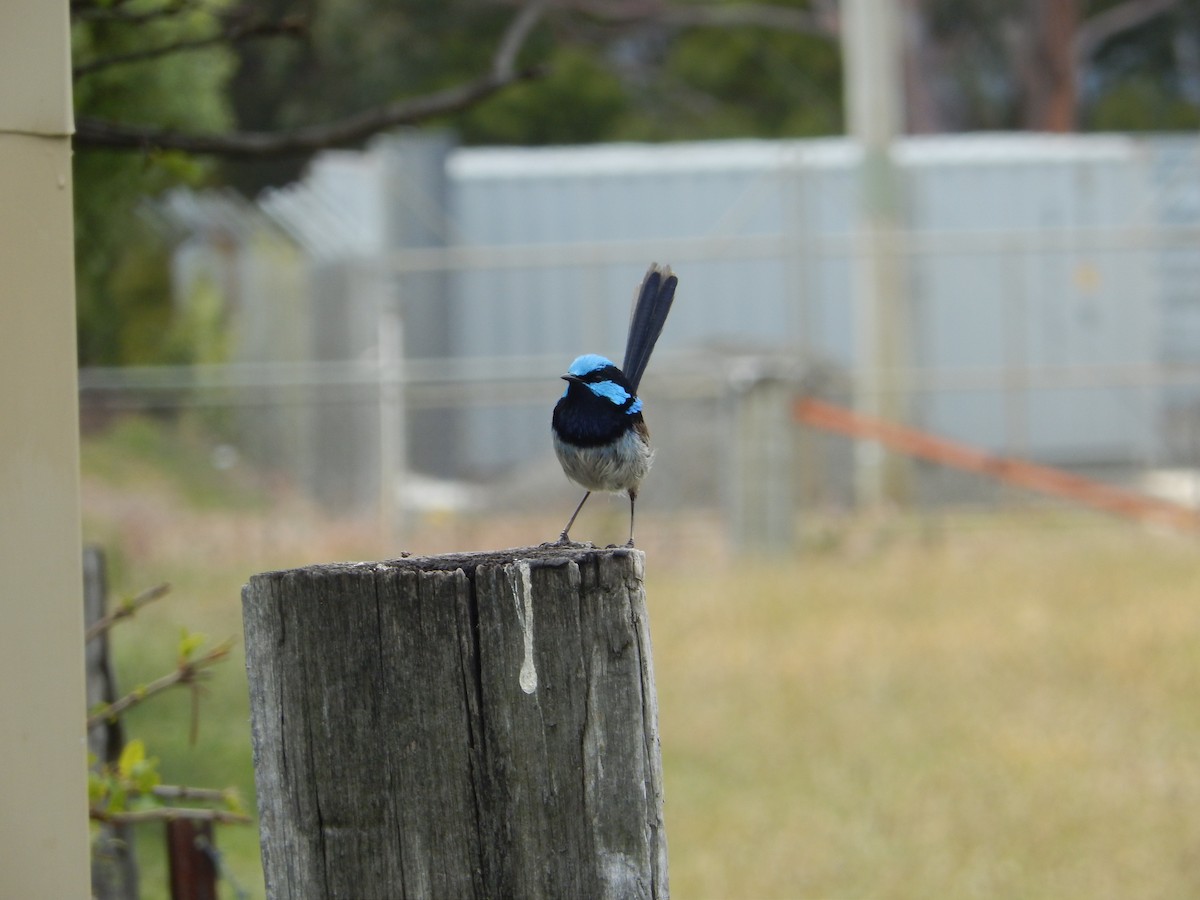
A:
191,870
114,862
473,725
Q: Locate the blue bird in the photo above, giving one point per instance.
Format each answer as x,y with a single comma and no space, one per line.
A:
600,436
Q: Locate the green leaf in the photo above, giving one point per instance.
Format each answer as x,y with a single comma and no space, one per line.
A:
189,643
146,778
118,799
233,801
138,772
98,788
133,755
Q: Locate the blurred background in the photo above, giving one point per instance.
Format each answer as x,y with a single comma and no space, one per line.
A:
332,256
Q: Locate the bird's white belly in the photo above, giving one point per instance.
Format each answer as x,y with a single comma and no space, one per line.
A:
619,467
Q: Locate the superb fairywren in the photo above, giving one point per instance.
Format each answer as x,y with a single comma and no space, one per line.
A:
600,436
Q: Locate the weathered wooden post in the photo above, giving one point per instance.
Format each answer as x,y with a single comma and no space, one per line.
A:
472,725
114,863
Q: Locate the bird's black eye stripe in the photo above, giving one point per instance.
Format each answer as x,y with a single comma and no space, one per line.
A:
604,373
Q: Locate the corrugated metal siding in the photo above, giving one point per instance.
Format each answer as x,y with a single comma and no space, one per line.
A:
978,308
1024,305
1018,263
598,197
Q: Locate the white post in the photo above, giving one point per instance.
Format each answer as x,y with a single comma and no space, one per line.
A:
43,770
872,63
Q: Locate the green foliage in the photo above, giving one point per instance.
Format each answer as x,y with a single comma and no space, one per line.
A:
714,83
1142,104
136,769
753,82
359,54
198,332
222,757
581,102
127,786
132,790
176,455
1137,78
643,81
121,276
122,282
190,643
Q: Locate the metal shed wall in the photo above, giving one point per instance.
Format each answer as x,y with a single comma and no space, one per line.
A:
1013,268
1026,273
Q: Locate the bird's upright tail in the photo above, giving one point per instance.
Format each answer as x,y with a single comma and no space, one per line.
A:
650,310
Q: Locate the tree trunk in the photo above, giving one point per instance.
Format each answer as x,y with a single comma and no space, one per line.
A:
1046,66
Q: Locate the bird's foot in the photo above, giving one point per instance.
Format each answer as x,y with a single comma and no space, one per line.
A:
564,540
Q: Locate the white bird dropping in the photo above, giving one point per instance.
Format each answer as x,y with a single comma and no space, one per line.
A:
520,577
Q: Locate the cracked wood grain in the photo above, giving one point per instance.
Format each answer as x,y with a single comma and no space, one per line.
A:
472,725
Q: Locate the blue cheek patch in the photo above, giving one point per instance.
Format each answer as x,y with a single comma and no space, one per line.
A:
636,407
589,362
610,391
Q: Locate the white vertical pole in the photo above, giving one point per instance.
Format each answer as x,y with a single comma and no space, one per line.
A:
43,771
873,72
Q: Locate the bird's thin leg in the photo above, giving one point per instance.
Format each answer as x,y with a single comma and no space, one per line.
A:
632,499
563,538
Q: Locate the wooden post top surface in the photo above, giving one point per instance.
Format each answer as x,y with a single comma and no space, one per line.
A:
540,555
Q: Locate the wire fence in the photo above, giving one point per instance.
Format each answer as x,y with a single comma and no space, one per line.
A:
721,446
1050,312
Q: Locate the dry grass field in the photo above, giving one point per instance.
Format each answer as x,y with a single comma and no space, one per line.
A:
945,705
1008,709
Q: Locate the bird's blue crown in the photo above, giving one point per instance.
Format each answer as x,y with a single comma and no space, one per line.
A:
588,363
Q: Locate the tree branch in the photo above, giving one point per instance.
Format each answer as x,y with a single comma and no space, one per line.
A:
125,610
231,33
821,20
77,7
1095,31
183,792
167,814
350,130
504,60
258,145
187,673
91,12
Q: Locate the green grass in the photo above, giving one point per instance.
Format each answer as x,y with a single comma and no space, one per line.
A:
955,706
220,758
1008,712
178,455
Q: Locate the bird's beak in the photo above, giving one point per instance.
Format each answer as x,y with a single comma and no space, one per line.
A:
572,378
